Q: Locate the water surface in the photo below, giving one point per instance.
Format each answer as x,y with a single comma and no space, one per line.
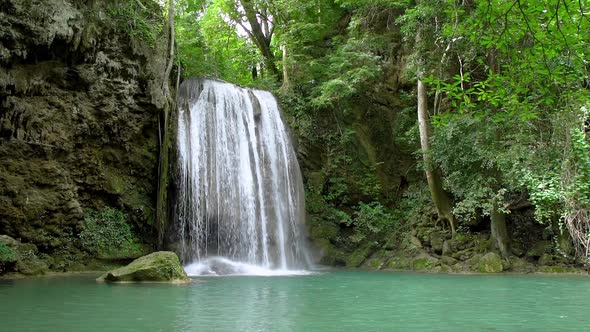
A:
331,301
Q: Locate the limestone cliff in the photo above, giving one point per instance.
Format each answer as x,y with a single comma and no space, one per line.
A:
80,99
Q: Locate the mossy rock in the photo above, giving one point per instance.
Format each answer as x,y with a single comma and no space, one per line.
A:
31,265
490,263
359,256
424,262
474,260
450,261
437,240
375,263
521,265
545,259
20,257
399,263
539,249
443,268
330,255
161,266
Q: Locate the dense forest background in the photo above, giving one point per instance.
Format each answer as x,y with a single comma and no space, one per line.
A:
500,89
430,133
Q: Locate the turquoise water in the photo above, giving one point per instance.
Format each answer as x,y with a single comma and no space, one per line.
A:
331,301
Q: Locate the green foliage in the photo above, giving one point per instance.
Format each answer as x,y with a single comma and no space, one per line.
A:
6,253
107,231
145,21
350,67
371,220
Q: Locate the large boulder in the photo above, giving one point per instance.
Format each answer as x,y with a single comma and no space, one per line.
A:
490,263
161,266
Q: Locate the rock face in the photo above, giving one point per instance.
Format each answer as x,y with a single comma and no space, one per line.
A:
20,257
79,105
161,266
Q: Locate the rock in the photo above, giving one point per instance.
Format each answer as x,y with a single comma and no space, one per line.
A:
31,265
560,269
539,249
446,248
75,135
545,259
521,265
329,254
474,260
161,266
442,269
416,242
436,242
450,261
8,241
517,248
20,257
398,263
424,262
359,256
375,264
490,263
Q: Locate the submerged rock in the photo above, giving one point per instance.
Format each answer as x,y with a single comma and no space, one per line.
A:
161,266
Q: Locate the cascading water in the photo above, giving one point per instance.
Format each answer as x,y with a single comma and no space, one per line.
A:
240,192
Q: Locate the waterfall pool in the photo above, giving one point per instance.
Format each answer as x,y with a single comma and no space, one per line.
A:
324,301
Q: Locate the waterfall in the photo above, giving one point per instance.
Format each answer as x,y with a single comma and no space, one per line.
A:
240,191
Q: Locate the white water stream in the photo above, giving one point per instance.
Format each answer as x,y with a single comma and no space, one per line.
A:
240,191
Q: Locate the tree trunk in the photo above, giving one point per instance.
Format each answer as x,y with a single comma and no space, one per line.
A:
259,38
439,196
286,83
500,239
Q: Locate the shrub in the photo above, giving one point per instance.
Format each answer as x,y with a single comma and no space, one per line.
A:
372,219
107,231
6,253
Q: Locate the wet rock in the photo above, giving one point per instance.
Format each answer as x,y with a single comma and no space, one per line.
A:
161,266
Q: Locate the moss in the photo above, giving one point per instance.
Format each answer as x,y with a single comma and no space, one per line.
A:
161,266
375,263
114,182
424,263
359,256
490,263
398,263
330,255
